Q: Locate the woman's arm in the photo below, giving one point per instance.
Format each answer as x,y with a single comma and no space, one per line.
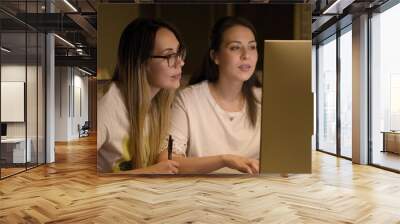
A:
162,167
202,165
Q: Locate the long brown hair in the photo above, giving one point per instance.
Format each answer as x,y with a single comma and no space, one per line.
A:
135,48
209,70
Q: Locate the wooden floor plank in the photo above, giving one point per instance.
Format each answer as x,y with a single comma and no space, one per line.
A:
70,191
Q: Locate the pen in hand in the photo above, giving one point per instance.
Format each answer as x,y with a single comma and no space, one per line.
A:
170,145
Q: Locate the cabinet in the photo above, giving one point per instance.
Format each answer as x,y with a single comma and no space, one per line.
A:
391,142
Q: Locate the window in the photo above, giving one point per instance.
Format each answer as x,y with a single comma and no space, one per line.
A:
346,93
327,95
385,88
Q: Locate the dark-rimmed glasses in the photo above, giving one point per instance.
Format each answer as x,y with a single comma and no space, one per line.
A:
172,59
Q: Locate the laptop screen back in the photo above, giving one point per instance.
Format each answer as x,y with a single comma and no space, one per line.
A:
287,107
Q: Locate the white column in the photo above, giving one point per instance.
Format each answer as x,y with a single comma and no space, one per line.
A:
50,92
360,89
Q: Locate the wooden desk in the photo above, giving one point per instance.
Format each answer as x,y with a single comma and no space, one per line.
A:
226,170
391,141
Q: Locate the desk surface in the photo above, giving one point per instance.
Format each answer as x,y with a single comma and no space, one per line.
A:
390,132
13,140
226,170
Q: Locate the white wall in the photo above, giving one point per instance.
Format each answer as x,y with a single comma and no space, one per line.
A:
70,83
33,127
12,73
12,101
61,103
80,83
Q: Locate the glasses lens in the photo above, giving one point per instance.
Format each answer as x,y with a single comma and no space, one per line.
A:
172,59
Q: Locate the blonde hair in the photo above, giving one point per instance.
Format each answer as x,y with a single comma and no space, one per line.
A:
157,111
135,47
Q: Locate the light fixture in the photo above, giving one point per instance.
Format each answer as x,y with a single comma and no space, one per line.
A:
84,71
70,5
80,51
337,7
65,41
5,50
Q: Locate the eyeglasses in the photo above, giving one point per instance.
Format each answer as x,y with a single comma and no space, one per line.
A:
172,59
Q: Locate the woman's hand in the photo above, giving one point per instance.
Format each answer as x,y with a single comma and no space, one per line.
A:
242,164
163,167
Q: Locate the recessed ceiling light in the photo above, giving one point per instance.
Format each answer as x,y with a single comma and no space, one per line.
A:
5,50
337,7
64,40
70,5
84,71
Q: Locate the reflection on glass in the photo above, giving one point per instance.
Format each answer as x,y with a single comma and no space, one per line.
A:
32,86
327,96
385,86
31,101
346,94
395,101
13,82
22,76
41,99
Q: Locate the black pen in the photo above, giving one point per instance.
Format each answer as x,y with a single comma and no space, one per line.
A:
170,144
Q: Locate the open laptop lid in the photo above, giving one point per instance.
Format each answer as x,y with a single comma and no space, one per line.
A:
287,107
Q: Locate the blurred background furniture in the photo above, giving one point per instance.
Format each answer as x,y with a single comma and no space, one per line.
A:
84,130
391,141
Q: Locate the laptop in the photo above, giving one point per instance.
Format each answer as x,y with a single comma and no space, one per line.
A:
287,107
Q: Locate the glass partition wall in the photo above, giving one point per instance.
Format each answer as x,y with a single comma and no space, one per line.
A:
22,77
334,94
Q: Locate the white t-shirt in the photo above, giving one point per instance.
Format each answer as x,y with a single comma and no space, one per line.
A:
200,127
113,127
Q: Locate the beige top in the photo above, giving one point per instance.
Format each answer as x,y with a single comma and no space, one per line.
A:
113,128
200,127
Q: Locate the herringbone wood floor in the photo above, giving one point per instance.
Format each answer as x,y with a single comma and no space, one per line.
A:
70,191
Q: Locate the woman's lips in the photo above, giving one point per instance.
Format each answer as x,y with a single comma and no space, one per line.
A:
245,67
177,76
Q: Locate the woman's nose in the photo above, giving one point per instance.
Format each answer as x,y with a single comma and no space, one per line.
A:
245,54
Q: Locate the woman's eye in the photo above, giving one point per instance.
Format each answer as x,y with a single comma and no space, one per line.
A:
234,48
169,56
253,47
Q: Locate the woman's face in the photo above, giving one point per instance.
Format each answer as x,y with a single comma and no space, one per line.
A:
165,73
237,55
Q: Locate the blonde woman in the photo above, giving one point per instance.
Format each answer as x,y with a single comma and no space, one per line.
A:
133,115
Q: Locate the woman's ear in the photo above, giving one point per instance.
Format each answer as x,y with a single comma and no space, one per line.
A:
214,57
